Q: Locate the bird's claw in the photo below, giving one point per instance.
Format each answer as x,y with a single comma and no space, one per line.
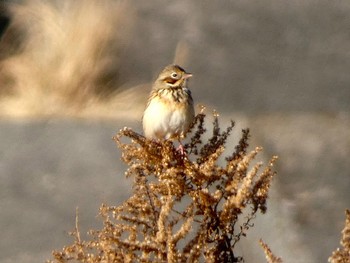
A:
181,150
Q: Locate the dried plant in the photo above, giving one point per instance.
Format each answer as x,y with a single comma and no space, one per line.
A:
60,56
342,255
183,208
270,257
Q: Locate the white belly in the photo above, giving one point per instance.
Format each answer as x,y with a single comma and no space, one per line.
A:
166,121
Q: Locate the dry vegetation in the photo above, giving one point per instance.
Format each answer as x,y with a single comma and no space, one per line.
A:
270,257
183,208
63,57
342,255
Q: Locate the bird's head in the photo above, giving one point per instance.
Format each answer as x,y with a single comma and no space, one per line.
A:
173,76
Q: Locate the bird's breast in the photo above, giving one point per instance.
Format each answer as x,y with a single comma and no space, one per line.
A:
167,114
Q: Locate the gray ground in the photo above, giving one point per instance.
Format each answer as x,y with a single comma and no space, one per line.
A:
280,68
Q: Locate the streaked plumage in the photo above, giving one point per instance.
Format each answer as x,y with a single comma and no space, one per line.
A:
170,109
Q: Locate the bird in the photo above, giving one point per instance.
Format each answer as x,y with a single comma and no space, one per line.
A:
170,110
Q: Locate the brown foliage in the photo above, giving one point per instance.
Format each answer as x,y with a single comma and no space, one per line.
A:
270,257
342,255
183,208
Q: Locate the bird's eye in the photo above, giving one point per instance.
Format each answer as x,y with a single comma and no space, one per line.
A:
174,75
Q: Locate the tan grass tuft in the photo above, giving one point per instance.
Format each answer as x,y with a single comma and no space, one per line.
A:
64,55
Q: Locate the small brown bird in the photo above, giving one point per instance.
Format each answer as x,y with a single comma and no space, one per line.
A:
170,110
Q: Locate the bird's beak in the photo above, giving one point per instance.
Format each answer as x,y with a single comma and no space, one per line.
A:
187,75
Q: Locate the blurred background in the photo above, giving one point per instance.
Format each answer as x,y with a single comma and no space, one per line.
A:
74,72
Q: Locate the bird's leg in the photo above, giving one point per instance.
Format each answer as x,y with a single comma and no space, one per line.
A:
181,149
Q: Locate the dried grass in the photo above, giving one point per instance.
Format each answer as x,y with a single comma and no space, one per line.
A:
59,57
